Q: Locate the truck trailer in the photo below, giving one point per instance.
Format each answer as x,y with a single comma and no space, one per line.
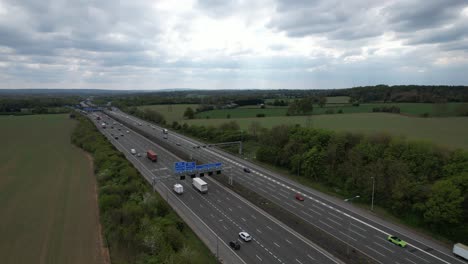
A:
460,250
200,185
152,156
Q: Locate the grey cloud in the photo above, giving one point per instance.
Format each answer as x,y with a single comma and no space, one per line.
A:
441,35
331,19
413,15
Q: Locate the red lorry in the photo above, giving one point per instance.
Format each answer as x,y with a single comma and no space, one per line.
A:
152,156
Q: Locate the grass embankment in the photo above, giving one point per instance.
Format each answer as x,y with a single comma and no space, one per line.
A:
450,131
48,207
138,224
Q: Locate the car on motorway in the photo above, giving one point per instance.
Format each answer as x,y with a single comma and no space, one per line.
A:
121,135
133,151
397,241
178,144
116,137
128,131
138,154
247,170
234,244
165,137
245,236
299,197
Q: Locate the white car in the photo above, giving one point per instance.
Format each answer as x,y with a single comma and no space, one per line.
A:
128,131
245,236
133,151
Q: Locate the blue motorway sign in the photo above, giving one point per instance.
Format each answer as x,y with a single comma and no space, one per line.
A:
179,166
182,166
190,166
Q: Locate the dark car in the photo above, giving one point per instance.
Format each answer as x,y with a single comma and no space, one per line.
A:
299,197
234,244
247,170
116,137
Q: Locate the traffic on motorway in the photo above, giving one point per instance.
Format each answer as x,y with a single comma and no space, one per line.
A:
255,236
372,238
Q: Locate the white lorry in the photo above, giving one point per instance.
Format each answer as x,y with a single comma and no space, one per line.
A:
460,250
165,131
200,185
178,188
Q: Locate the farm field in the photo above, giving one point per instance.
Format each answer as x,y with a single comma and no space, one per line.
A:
48,205
416,109
171,113
450,131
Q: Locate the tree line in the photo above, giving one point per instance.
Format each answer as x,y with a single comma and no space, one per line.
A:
413,180
419,182
36,105
138,225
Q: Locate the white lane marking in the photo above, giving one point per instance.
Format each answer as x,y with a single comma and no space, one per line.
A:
288,241
259,257
283,195
229,208
329,219
315,212
363,236
259,231
310,257
418,257
327,225
225,227
253,216
410,260
269,227
375,251
243,219
307,214
362,229
383,247
291,205
334,215
348,236
276,244
298,261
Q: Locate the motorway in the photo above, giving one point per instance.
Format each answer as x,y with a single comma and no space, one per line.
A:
223,211
341,221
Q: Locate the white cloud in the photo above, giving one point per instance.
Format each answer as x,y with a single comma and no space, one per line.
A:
232,43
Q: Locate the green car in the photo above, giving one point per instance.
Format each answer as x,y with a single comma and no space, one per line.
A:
395,240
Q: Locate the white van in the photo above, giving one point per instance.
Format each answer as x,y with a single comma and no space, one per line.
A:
178,188
133,151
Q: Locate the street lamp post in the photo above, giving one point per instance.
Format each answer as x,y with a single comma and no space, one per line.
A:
349,223
373,188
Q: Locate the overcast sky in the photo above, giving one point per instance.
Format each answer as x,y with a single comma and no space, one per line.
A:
228,44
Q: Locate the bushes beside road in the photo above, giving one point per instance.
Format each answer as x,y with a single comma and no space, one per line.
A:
416,181
138,224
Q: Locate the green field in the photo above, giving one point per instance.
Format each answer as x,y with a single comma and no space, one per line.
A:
415,109
338,99
449,131
171,113
243,112
48,205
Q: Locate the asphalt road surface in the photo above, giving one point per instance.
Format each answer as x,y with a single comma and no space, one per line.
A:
363,232
223,211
